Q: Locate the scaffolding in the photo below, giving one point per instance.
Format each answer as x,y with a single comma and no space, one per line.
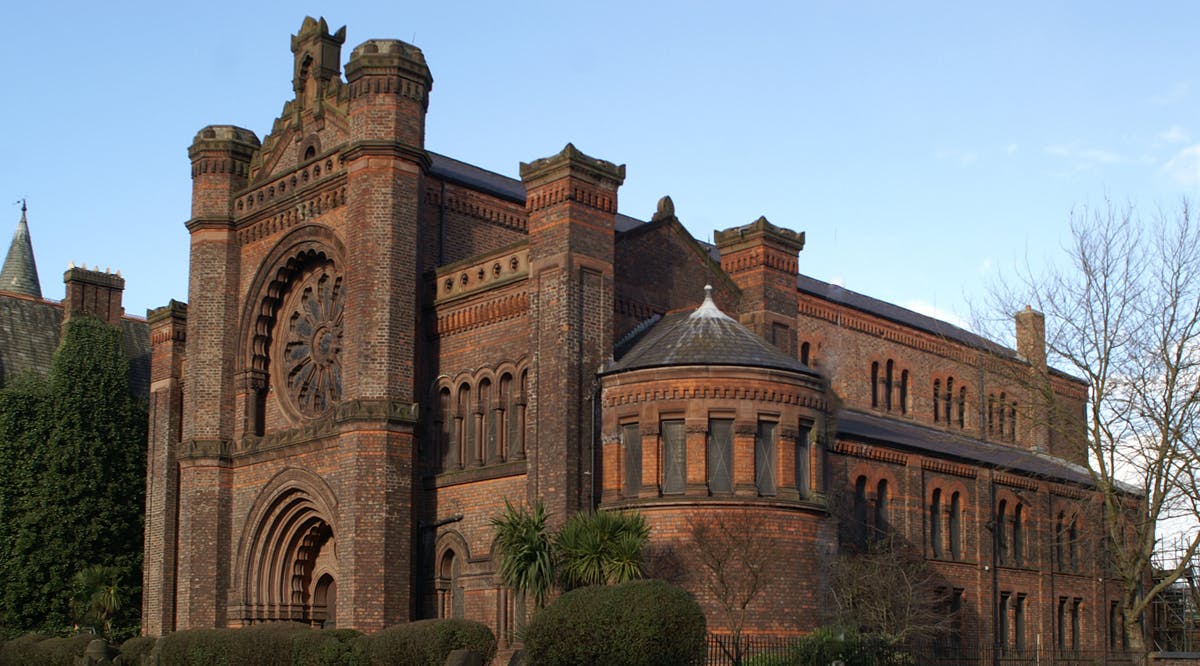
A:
1175,613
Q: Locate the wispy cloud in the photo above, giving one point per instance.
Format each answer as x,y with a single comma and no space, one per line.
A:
1011,149
1184,167
985,265
1174,134
930,310
963,158
1083,158
1177,92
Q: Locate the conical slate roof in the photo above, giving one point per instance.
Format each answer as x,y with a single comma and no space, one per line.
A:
19,274
705,336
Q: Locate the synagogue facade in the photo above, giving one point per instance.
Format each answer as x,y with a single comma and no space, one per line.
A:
382,344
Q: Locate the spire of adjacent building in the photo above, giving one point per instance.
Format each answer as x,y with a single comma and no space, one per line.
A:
19,274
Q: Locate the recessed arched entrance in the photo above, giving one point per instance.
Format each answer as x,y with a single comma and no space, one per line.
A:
290,560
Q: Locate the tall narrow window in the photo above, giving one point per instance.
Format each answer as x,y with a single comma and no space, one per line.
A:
860,512
887,386
948,398
1019,623
764,458
937,401
518,438
1012,422
504,419
1002,629
804,353
487,434
875,384
1018,535
631,441
1059,535
448,453
956,620
935,523
720,455
955,527
1075,620
991,414
803,452
962,408
1061,625
881,509
1073,544
1000,427
1113,614
674,457
904,391
1001,533
462,425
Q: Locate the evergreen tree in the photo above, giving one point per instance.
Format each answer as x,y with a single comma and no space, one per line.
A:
71,496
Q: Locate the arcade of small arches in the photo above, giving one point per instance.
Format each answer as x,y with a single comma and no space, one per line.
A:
479,418
948,512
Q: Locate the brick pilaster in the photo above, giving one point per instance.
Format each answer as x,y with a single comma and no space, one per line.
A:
571,200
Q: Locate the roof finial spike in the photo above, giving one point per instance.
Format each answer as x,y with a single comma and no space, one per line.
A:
708,292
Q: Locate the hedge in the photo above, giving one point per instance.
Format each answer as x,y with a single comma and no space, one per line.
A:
37,650
640,623
429,642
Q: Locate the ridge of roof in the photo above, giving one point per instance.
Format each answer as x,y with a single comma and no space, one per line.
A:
858,425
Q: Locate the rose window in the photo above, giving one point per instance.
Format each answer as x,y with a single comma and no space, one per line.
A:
309,363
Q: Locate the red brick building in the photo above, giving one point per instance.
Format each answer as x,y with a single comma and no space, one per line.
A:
382,344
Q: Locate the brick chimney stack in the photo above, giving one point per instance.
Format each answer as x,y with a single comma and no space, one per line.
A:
93,293
1031,337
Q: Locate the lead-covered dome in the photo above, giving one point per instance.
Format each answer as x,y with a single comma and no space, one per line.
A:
705,336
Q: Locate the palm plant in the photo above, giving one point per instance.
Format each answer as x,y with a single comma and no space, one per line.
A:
526,562
98,596
600,548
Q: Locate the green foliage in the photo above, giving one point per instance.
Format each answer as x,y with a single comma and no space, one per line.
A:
38,650
645,622
600,548
828,646
424,643
526,561
591,548
136,651
429,642
72,488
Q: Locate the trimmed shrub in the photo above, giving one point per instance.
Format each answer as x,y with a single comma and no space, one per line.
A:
335,647
37,650
429,642
195,647
136,651
644,622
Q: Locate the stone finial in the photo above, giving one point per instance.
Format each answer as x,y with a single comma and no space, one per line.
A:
19,274
666,210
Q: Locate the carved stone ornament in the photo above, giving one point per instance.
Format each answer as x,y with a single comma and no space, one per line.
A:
308,365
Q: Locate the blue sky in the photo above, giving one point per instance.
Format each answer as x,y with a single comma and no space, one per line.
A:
922,147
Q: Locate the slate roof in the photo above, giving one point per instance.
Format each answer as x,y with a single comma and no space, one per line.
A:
19,274
860,426
29,333
705,336
514,190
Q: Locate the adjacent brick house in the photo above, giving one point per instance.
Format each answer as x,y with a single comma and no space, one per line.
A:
381,344
31,326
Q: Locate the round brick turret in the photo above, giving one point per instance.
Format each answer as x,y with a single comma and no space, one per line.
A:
389,92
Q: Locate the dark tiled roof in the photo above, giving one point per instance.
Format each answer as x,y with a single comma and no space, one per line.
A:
497,184
841,296
871,428
29,333
462,173
19,273
705,336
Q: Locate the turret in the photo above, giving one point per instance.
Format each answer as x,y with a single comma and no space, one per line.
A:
389,94
19,275
761,259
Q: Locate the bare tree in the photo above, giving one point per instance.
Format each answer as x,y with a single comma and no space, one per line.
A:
732,552
1123,313
888,588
